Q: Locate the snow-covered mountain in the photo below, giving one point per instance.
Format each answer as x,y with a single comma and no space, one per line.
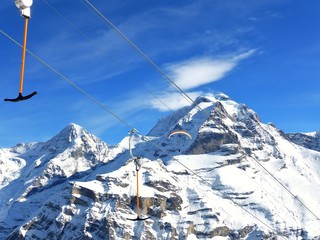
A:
307,140
236,178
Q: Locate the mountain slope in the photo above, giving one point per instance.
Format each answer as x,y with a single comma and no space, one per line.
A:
236,178
307,140
43,166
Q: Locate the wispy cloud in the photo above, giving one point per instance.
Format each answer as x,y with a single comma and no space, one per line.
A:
194,73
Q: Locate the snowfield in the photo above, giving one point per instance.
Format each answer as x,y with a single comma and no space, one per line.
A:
236,178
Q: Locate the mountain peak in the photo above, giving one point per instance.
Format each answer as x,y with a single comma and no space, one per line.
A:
212,98
70,135
72,132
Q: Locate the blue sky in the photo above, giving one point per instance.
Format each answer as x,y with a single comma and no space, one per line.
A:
262,53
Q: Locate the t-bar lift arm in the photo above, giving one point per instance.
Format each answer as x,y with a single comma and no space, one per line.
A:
24,6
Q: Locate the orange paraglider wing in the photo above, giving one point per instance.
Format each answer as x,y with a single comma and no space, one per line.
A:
180,132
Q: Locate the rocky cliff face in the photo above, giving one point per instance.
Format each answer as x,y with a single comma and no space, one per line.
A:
77,187
307,140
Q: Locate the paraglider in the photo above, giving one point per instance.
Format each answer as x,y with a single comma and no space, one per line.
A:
24,6
180,132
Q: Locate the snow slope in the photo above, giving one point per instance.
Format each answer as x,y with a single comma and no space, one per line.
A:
237,178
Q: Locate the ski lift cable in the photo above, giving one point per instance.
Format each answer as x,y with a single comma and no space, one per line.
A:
276,179
86,36
153,64
60,14
66,19
121,120
135,131
69,81
74,85
97,13
159,100
280,204
210,185
270,174
288,190
186,96
118,118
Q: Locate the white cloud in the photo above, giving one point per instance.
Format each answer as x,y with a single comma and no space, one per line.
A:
244,55
197,72
194,73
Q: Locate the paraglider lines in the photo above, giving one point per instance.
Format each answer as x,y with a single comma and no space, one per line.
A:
66,19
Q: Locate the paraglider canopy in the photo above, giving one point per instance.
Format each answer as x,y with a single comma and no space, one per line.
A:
180,132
